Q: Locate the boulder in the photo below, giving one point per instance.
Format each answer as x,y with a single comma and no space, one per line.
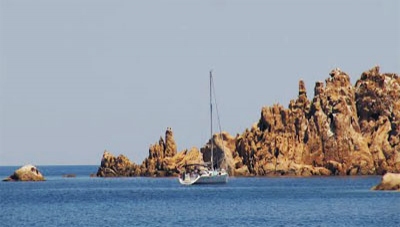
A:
390,181
26,173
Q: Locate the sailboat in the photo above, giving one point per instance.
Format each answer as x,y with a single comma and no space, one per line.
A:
203,173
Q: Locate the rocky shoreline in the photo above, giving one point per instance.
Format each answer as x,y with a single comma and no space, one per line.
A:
342,130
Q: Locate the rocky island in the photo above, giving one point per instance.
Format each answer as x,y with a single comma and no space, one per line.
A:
389,181
342,130
26,173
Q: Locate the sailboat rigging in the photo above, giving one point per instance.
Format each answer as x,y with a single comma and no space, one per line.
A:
201,174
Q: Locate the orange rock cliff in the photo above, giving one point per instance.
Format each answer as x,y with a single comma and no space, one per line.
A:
343,130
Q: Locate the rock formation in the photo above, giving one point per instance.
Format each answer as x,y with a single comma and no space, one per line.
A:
333,111
378,106
160,161
26,173
278,143
224,146
163,160
390,181
116,166
342,130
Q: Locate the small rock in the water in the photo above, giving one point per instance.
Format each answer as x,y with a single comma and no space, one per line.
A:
26,173
70,175
390,181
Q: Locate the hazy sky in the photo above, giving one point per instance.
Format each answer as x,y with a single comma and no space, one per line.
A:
80,76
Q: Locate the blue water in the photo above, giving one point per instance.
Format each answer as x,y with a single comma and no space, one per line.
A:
85,201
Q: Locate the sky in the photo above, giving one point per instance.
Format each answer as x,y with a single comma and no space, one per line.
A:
81,76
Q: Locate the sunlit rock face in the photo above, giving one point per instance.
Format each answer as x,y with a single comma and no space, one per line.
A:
378,106
163,157
112,166
163,160
26,173
342,130
334,114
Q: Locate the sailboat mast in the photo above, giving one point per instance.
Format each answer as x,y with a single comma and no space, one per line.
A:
211,120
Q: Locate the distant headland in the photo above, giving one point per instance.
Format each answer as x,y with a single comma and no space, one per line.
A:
342,130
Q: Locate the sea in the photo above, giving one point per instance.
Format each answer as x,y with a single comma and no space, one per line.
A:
145,201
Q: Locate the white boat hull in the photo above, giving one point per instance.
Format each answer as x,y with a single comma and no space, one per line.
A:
222,178
210,178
